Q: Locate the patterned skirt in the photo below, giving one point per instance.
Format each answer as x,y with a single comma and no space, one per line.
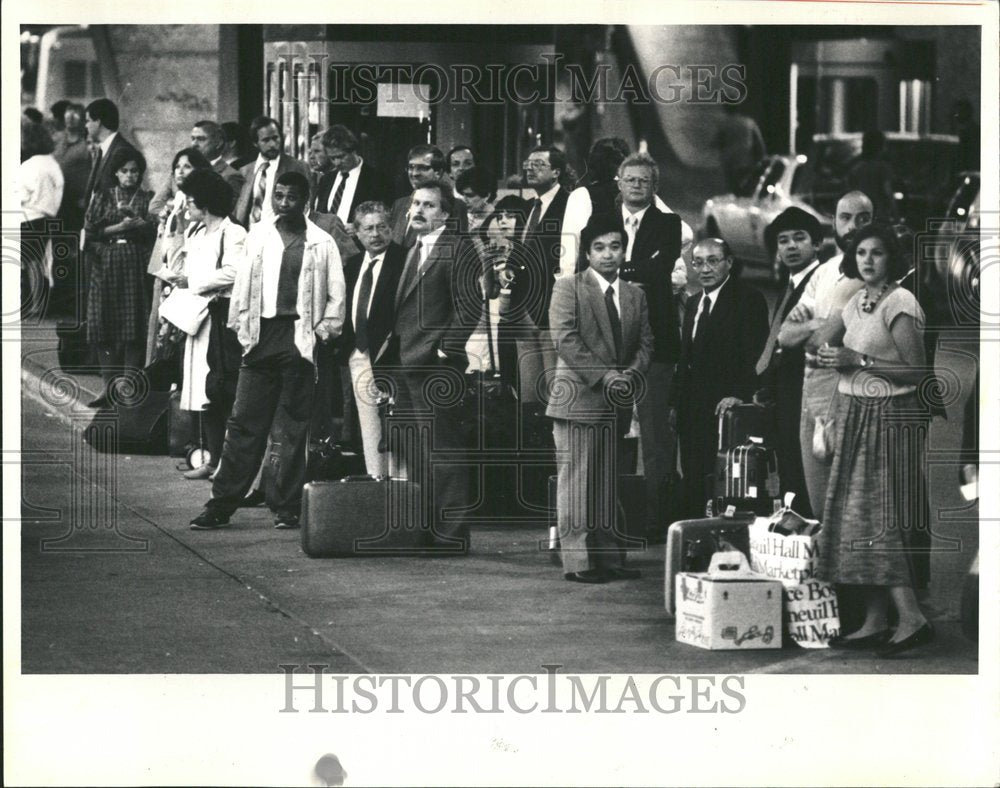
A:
117,303
876,521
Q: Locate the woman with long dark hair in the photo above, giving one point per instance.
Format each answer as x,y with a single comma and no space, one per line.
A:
875,536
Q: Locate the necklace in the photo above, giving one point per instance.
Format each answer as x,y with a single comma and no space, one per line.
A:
868,305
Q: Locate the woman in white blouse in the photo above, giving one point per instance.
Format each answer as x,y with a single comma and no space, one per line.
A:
40,183
213,251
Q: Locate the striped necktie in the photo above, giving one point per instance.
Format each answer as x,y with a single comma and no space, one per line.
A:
258,193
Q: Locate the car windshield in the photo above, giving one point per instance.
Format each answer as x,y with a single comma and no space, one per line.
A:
749,185
921,170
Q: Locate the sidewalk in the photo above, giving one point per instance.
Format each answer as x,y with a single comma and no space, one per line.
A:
246,599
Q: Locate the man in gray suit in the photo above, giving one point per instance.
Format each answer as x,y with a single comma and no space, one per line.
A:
604,343
208,138
254,202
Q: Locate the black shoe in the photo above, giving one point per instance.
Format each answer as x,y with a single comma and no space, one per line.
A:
621,573
255,498
875,640
209,521
592,576
286,523
921,637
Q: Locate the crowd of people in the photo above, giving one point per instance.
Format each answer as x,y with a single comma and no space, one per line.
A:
288,295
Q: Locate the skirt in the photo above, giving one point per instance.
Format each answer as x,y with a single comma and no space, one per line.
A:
116,304
876,519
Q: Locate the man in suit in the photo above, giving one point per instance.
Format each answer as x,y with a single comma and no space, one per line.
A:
102,130
654,243
437,308
460,159
543,169
372,278
254,203
604,343
795,236
425,163
287,298
208,139
725,328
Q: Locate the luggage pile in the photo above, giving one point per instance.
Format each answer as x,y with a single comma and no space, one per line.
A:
746,468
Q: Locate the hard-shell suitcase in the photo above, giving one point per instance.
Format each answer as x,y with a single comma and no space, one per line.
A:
362,516
741,422
692,543
746,477
139,428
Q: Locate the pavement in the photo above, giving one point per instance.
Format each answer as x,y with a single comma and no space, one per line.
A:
114,581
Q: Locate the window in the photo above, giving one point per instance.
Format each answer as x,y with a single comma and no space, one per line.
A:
75,78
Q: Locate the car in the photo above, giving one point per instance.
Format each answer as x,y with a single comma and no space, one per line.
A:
740,219
956,255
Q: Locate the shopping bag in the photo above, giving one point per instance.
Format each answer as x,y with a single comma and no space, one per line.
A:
185,310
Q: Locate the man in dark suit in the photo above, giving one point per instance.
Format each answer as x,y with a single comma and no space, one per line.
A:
437,308
795,236
207,137
543,169
725,328
372,278
254,202
654,243
425,163
102,130
350,182
600,325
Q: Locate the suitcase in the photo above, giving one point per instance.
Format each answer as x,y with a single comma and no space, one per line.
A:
74,351
135,429
362,516
328,461
692,543
183,428
742,422
746,477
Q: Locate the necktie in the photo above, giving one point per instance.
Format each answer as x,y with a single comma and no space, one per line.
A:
699,328
631,226
361,312
339,194
616,323
258,192
772,338
534,218
409,270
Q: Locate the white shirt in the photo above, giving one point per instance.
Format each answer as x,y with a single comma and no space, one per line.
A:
427,242
796,278
40,184
632,222
707,307
578,210
376,270
266,210
605,284
106,143
353,176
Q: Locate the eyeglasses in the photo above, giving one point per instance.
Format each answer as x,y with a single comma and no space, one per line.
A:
535,164
418,167
637,181
711,262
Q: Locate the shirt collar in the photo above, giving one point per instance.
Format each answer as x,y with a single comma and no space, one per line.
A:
604,283
260,161
369,258
214,162
106,143
429,239
548,197
798,276
626,213
714,294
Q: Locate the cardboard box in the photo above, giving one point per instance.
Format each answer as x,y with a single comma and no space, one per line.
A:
728,607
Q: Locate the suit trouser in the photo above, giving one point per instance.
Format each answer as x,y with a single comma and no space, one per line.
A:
274,396
365,400
586,494
423,402
659,441
699,440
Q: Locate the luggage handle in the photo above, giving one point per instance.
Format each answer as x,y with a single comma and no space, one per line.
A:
731,562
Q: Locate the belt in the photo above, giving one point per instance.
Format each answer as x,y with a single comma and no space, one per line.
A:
120,241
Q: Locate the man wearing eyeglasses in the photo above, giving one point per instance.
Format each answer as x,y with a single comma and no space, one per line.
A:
425,164
543,169
725,329
654,243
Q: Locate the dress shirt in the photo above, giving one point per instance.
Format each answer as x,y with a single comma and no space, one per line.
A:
376,270
712,298
632,229
796,278
106,143
427,242
266,209
546,200
605,284
353,176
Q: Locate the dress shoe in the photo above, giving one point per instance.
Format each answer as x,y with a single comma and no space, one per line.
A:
286,523
204,472
621,573
875,640
921,637
592,576
209,521
255,498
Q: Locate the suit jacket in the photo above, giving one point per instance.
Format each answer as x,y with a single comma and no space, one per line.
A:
103,177
231,176
458,222
721,361
546,242
585,345
245,201
372,185
657,245
438,309
382,312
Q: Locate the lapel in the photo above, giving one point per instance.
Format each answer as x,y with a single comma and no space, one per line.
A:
445,243
721,310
